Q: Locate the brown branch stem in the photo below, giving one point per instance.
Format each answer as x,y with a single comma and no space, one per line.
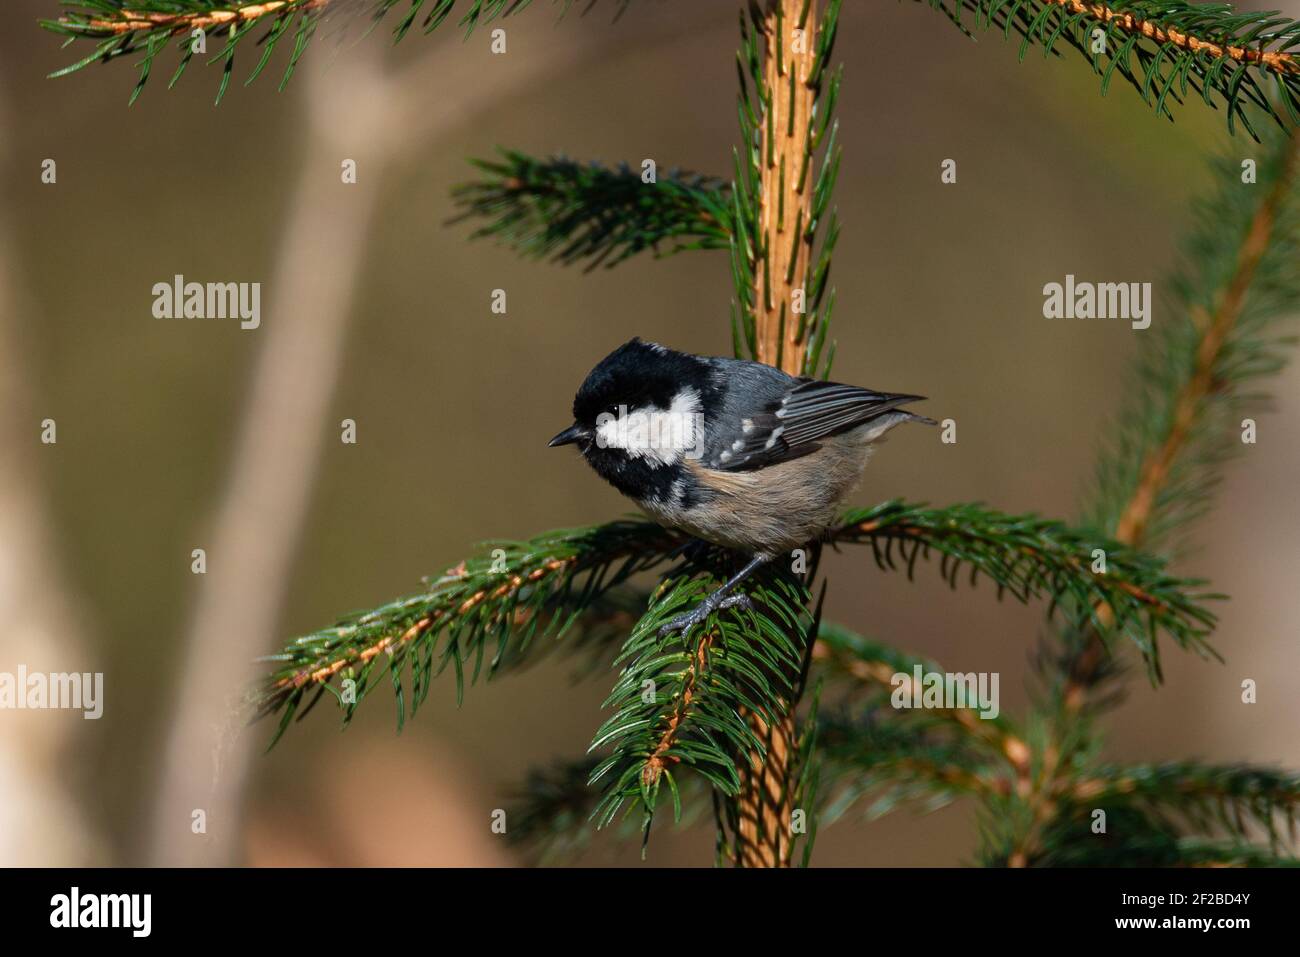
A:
659,758
130,21
765,803
1127,22
882,674
785,196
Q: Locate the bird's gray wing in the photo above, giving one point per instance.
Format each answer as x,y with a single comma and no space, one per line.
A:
791,426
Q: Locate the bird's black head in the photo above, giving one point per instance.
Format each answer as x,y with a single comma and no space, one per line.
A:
639,413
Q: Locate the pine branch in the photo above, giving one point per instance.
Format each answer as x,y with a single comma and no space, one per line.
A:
951,751
119,28
857,758
570,212
1032,557
1132,839
550,813
890,762
1204,797
874,757
1163,48
1157,849
844,654
875,667
591,641
924,757
519,593
680,699
109,18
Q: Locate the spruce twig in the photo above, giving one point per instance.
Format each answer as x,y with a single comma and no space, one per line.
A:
573,212
119,28
502,602
1031,557
1165,49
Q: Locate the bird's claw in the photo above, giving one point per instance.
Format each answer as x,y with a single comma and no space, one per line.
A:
736,601
685,622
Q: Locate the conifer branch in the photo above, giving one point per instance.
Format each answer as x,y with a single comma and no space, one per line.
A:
1221,811
1231,798
1134,837
550,811
120,28
572,212
923,757
680,699
498,604
927,757
1032,557
917,757
181,19
841,653
1161,807
894,762
1176,45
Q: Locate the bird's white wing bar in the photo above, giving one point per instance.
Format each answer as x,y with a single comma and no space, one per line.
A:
812,410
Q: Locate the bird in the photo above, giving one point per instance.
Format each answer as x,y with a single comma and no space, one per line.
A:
731,452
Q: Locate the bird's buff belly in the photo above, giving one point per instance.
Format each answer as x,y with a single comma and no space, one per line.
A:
775,509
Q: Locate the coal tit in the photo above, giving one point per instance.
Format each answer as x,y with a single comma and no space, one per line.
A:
732,452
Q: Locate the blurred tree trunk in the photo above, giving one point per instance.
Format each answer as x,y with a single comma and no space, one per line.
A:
40,822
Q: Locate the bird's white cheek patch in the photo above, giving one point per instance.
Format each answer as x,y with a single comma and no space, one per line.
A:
660,436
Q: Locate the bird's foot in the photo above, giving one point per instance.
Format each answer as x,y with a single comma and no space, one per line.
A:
715,602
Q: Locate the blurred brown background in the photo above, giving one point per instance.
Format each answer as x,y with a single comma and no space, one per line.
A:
939,292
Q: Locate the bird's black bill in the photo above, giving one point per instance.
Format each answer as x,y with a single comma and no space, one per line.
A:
570,435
